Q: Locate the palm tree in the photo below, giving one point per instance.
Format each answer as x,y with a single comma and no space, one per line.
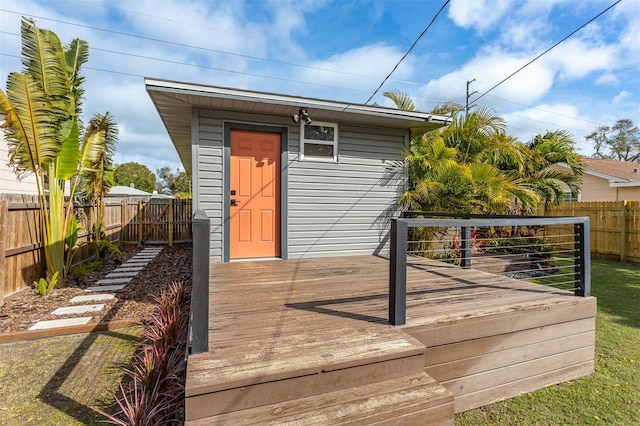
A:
542,157
455,169
97,173
42,106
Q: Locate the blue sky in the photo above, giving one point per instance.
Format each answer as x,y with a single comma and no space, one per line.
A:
342,50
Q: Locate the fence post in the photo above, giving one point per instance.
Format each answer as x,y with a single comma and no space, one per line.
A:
140,216
171,223
200,286
582,232
4,217
465,232
623,231
397,272
123,218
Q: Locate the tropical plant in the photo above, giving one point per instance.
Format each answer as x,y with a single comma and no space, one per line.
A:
44,286
155,393
97,178
456,168
473,166
540,169
42,106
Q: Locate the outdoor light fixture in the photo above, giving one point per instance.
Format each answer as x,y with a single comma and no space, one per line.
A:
301,115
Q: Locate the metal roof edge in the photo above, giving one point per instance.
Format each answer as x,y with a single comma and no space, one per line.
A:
624,184
159,85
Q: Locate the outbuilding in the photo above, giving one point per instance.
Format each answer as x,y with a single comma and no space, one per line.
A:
289,177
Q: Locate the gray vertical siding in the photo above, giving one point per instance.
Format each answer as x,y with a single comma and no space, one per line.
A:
334,209
341,209
208,166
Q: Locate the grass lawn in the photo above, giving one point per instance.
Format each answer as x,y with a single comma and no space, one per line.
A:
611,396
56,380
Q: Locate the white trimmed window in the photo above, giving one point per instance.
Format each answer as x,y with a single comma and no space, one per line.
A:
319,141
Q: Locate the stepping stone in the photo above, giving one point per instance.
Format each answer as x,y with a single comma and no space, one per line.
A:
92,298
109,281
82,309
119,274
44,325
129,269
137,262
105,288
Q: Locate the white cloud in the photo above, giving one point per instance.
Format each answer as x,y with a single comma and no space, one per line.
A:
478,14
526,123
577,58
621,97
608,79
489,68
360,69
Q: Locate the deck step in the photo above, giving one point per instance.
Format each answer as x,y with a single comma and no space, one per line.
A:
410,400
305,365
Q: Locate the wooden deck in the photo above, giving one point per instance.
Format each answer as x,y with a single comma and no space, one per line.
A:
306,342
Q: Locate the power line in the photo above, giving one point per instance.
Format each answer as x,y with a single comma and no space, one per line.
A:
257,58
284,79
408,51
121,33
197,66
546,51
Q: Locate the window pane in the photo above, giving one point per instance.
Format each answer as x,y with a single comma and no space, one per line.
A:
319,133
318,150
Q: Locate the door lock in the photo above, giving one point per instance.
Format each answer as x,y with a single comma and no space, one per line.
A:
234,202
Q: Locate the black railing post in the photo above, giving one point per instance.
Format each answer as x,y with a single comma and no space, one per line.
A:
465,246
582,243
398,272
199,326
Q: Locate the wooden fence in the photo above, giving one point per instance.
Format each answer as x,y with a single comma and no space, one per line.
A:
157,221
615,227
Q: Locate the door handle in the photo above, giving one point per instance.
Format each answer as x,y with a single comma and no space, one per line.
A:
234,202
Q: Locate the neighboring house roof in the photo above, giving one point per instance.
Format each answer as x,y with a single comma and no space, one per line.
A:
127,191
618,173
174,102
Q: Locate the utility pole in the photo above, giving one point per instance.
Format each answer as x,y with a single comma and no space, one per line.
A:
468,107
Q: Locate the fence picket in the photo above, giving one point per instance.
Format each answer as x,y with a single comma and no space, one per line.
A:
21,256
615,226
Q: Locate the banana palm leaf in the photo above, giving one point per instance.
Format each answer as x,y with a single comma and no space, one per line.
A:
33,128
76,54
41,56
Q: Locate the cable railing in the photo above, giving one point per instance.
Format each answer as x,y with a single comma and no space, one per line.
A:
552,251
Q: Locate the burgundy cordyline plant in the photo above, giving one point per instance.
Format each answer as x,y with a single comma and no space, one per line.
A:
154,394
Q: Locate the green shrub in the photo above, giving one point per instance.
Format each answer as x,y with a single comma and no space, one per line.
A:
85,268
44,287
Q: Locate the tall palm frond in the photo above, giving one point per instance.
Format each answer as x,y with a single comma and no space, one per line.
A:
401,100
30,123
97,153
41,50
76,54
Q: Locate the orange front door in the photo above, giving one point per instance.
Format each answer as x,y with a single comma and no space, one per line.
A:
254,222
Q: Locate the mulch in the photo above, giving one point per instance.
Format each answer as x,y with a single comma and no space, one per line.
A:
131,304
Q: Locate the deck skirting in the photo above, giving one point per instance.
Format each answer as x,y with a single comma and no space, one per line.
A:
307,342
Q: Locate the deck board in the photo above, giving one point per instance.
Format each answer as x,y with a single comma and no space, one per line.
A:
294,322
